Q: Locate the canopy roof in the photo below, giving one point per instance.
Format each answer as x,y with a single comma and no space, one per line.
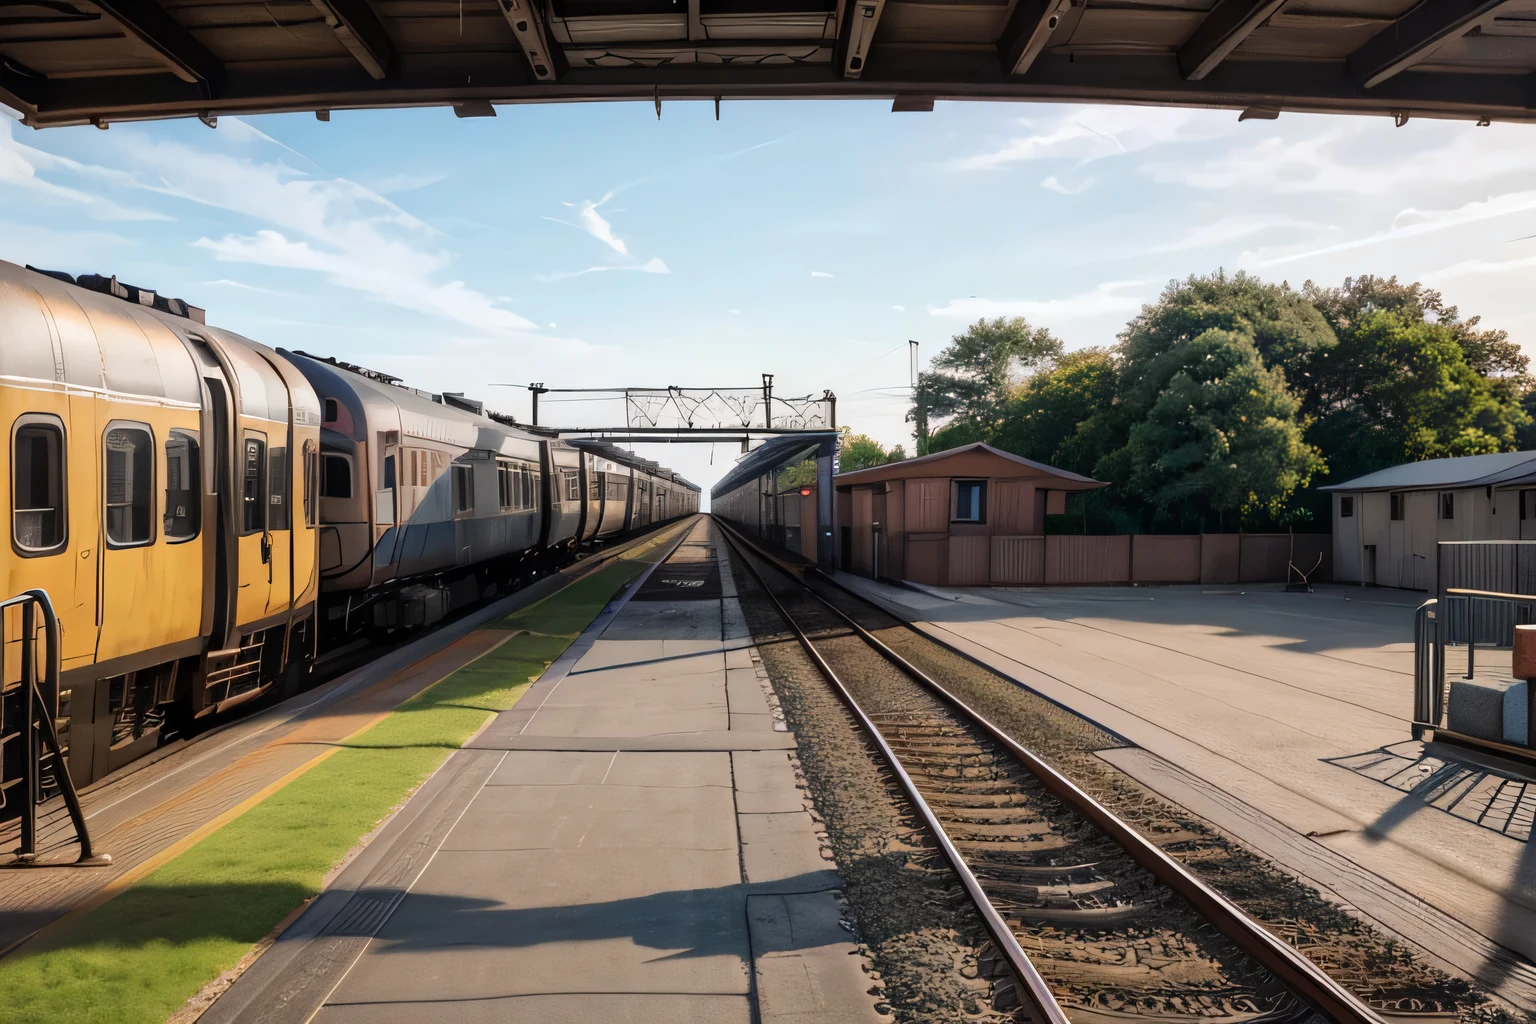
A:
73,61
1502,469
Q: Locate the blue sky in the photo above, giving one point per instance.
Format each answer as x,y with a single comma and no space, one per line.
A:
593,244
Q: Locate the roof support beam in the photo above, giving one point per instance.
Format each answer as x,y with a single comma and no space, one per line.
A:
863,18
1029,29
1415,36
145,20
526,24
360,31
1226,26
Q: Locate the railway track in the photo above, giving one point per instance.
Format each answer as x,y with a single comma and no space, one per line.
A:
1094,921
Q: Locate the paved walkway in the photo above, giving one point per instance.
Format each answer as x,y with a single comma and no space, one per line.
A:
1283,719
627,844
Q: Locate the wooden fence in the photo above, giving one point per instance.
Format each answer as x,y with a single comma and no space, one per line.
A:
1211,558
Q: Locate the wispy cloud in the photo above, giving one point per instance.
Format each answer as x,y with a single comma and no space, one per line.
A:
1232,229
225,282
1053,184
594,223
1411,222
355,237
900,309
1086,134
20,165
652,266
820,273
405,182
1109,297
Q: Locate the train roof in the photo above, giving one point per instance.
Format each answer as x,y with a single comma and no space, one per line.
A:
448,418
625,457
98,334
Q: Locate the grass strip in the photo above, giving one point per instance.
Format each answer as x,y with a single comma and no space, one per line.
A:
140,956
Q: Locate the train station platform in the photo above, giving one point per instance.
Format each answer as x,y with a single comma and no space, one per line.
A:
1283,719
627,843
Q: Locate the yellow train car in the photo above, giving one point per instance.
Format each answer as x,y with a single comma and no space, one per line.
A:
160,485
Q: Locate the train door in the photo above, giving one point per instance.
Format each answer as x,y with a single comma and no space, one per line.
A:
218,509
254,544
128,531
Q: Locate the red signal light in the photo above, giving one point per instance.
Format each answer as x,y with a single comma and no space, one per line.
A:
805,492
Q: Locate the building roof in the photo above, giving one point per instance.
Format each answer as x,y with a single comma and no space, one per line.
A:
1502,469
928,465
84,61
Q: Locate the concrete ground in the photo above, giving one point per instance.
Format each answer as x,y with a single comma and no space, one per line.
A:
1284,719
629,843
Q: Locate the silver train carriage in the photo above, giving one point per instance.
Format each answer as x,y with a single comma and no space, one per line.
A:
429,503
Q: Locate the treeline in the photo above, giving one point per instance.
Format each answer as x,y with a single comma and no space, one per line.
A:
1229,400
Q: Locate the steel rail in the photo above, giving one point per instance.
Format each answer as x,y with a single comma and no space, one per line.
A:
1301,975
1036,991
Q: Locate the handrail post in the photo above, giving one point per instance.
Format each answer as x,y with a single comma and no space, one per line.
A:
30,790
39,730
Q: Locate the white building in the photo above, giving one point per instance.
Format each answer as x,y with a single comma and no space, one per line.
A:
1386,524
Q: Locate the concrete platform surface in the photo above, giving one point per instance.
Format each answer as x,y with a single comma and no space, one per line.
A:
1284,719
629,843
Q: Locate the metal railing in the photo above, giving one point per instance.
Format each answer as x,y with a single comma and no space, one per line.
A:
41,754
1462,617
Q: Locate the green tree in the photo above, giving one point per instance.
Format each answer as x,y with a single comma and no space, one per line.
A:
860,451
1286,328
1400,388
974,377
1051,417
1219,434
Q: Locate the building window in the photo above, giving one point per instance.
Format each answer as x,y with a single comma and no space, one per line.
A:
463,489
1395,507
37,488
1527,504
183,496
1346,508
1447,506
253,486
970,501
130,470
572,487
335,477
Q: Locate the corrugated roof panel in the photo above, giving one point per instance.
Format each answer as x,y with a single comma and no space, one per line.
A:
1467,471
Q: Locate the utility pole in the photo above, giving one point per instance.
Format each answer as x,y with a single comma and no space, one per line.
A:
537,389
920,415
768,400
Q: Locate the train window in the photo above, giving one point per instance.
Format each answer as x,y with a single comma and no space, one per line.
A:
594,489
572,487
463,488
332,410
277,489
504,486
530,487
253,485
130,468
415,468
311,458
37,487
389,472
183,496
335,477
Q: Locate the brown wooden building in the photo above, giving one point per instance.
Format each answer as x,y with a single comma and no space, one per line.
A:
969,516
